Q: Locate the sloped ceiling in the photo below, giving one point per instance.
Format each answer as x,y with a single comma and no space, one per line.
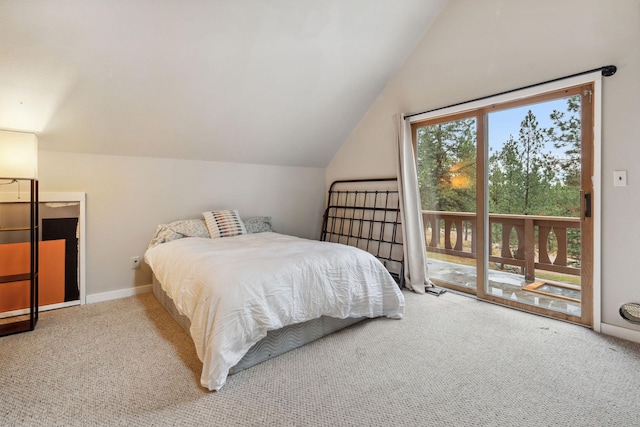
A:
279,82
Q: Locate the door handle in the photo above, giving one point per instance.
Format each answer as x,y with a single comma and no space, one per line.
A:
587,205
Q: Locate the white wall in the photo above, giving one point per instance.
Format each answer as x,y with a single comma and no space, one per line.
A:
128,196
480,47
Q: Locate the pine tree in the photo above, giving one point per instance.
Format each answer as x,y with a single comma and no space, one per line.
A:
446,165
520,174
566,134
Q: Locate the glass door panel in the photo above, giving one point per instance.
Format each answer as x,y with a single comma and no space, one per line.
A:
446,156
534,191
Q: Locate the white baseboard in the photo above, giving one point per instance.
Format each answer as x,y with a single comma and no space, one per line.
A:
121,293
618,332
40,309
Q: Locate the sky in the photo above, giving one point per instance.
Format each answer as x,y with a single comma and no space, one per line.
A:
507,122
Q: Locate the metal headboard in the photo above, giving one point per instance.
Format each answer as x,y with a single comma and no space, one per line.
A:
365,213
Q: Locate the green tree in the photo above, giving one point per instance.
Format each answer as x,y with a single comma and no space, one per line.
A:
566,135
446,155
521,174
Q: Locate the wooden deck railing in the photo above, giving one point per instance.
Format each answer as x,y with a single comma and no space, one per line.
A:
454,233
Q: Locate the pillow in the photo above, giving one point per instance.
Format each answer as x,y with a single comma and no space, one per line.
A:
258,224
190,227
224,223
178,229
163,234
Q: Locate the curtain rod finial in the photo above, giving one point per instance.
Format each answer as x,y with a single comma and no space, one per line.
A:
609,70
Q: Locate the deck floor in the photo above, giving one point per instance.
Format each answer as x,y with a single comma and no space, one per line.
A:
506,285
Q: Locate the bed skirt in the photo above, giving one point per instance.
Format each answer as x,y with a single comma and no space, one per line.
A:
276,342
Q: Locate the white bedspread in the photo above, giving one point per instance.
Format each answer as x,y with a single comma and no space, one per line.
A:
235,289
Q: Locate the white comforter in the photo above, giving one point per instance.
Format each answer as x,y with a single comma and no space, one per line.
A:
235,289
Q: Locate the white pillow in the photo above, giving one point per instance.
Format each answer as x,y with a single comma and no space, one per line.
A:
224,223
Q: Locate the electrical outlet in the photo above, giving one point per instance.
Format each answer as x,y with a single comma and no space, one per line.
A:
135,261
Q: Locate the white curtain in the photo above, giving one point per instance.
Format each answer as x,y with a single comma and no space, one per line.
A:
416,273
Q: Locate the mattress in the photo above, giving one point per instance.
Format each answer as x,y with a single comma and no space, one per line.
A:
276,342
236,289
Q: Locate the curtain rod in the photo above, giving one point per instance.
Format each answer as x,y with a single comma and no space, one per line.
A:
607,70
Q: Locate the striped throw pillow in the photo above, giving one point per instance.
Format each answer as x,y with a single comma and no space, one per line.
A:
224,223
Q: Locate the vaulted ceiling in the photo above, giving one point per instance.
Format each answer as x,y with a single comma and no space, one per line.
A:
279,82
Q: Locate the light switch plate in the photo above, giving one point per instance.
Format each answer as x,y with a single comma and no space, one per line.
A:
619,178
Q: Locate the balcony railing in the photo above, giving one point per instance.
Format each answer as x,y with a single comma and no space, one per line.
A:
525,241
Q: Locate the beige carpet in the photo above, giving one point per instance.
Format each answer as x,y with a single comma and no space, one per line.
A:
452,361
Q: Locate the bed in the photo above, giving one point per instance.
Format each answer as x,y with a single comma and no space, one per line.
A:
255,294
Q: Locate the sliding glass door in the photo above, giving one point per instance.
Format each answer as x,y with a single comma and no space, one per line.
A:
506,193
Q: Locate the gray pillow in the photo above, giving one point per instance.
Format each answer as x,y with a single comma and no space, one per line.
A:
258,224
178,229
